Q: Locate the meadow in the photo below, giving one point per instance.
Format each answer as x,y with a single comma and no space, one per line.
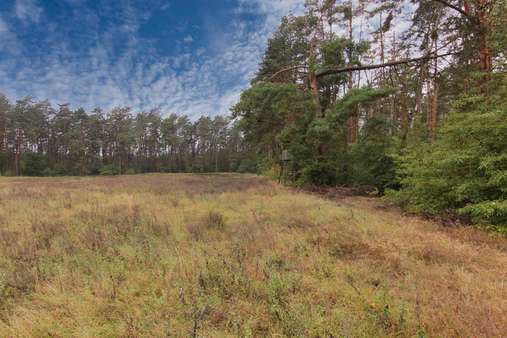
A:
235,256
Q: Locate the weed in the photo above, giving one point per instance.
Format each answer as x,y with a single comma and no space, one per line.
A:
214,220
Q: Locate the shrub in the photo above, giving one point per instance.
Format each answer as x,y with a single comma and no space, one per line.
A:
109,170
320,173
464,172
59,170
130,171
214,220
247,166
48,172
371,163
33,164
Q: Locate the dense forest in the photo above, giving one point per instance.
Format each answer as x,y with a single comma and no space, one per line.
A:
408,97
38,140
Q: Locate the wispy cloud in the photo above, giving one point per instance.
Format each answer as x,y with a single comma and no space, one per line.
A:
28,10
194,82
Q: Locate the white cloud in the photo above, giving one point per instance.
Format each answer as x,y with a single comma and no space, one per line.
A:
165,6
201,82
28,10
207,80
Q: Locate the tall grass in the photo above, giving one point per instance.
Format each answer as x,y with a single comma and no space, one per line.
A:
234,256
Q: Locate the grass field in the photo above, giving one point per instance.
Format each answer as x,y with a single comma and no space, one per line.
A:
235,256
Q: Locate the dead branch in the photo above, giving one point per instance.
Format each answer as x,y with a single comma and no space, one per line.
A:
382,65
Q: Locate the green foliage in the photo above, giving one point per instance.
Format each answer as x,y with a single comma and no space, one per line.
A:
320,152
48,172
288,46
130,171
59,170
464,172
372,163
33,164
247,166
321,172
109,170
74,142
264,111
347,106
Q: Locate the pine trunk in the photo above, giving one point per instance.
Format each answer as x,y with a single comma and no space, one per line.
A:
483,27
17,154
352,122
312,78
433,118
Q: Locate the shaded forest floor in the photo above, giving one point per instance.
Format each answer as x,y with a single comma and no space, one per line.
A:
235,256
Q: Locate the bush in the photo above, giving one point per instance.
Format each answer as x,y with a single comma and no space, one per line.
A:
109,170
320,173
130,171
247,166
214,220
33,164
370,160
464,172
94,168
48,172
59,170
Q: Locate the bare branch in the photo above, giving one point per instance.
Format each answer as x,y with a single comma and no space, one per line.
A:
458,9
382,65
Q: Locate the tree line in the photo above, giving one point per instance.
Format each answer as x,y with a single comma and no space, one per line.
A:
37,139
408,97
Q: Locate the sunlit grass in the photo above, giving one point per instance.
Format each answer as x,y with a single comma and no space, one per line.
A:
234,256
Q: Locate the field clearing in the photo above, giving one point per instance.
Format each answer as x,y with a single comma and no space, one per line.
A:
235,256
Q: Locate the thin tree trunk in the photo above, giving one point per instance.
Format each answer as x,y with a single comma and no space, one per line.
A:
17,154
394,103
352,122
216,160
312,78
404,120
382,53
433,120
486,61
394,114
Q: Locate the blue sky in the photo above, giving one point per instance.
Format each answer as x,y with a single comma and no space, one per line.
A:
186,56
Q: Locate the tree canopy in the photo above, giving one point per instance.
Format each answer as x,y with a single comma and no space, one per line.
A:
416,112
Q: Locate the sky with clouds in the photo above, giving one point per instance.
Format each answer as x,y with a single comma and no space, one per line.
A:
187,56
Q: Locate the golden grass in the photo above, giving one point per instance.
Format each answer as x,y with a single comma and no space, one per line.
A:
235,256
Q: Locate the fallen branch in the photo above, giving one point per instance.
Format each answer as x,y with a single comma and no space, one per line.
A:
382,65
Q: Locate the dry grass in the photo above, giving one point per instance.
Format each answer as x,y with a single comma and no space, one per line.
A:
235,256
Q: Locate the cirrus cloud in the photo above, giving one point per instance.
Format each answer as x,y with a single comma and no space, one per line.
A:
110,62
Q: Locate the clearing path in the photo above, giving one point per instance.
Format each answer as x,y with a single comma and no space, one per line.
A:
235,256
